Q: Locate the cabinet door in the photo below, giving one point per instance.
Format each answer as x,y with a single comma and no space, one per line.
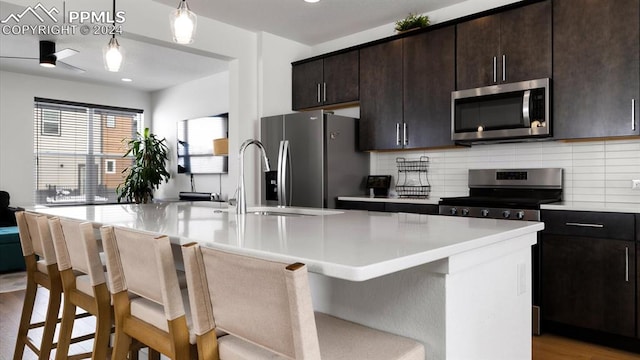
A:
589,283
429,79
341,73
360,205
412,208
380,95
306,79
477,48
525,43
596,52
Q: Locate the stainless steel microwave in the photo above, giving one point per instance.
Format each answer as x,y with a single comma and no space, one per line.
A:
501,112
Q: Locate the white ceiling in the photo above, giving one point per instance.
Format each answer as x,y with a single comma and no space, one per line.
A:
154,66
310,23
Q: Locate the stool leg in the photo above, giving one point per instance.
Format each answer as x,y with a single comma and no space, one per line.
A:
66,328
27,310
53,308
103,322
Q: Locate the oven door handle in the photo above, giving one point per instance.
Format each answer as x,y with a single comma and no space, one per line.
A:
526,111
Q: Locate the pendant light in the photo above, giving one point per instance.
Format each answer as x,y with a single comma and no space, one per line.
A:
113,53
183,23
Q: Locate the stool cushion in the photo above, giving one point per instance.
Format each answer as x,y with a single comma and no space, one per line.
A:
339,340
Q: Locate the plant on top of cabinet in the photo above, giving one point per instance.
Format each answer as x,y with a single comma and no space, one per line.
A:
331,80
510,46
412,21
596,77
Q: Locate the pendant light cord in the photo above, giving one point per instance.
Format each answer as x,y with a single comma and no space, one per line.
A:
113,36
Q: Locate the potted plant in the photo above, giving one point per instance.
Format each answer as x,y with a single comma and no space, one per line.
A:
412,21
148,169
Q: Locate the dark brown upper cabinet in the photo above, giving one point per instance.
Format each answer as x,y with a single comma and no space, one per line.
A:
381,96
405,91
429,78
510,46
332,80
596,76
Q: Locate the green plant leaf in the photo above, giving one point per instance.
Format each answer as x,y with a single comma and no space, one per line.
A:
148,169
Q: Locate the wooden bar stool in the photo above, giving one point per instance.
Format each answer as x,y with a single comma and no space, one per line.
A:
84,284
36,242
266,309
141,263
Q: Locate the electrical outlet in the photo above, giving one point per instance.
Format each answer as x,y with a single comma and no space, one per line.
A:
635,184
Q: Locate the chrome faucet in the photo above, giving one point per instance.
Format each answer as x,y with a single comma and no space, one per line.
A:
241,206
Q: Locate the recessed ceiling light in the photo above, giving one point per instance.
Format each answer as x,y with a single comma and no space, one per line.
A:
127,80
311,1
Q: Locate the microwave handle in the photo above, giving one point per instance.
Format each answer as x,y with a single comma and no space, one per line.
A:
526,111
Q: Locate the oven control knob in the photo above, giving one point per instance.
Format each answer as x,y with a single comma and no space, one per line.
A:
465,212
520,215
453,211
506,214
484,212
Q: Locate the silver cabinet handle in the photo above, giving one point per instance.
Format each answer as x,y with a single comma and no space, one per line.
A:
324,91
626,264
397,133
404,134
318,92
584,225
495,69
504,67
633,114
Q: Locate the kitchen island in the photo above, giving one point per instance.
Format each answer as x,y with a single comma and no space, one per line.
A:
461,286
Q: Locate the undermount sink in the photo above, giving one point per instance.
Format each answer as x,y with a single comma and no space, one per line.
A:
275,211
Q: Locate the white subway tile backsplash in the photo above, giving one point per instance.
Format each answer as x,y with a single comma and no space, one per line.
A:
597,171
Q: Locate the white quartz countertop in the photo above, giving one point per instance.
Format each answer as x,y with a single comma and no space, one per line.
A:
345,244
592,206
430,201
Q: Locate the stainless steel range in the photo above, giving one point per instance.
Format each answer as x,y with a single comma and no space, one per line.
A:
514,194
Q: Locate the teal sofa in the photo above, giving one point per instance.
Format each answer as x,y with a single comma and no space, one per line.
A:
11,258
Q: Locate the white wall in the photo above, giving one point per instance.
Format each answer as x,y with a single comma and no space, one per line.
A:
198,98
17,92
274,62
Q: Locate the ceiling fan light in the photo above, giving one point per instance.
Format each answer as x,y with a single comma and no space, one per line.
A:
183,24
113,55
47,51
48,63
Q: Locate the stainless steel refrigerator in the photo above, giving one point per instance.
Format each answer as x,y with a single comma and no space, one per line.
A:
314,158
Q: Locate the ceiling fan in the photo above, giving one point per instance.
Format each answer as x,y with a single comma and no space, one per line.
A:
50,58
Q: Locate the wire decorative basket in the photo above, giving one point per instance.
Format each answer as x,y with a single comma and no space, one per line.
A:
412,180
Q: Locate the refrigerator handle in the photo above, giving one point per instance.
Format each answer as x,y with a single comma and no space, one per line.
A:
279,173
283,156
289,180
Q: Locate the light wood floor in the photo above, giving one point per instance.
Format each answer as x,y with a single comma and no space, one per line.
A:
545,347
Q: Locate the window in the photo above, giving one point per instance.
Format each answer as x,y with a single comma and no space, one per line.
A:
50,122
78,151
111,121
110,166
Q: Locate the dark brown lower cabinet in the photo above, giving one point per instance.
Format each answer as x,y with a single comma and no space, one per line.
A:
428,209
589,283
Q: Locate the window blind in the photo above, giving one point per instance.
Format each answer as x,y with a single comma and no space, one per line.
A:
78,151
